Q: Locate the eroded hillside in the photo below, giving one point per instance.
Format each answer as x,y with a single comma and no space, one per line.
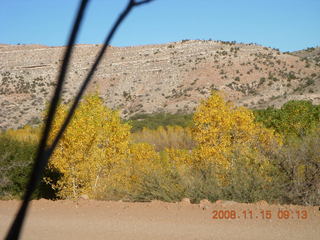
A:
171,77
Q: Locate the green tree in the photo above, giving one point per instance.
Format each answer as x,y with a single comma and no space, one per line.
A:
294,119
16,160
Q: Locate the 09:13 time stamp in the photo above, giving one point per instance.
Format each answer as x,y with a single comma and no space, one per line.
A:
282,214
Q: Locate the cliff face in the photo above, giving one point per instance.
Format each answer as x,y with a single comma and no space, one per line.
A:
172,77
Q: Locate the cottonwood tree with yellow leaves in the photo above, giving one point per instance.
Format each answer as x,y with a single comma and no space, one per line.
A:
97,157
227,135
91,151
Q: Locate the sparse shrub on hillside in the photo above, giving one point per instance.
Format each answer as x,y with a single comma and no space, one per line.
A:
309,82
310,49
262,80
291,76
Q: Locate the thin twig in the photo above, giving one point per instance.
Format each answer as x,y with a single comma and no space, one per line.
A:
44,154
89,76
41,159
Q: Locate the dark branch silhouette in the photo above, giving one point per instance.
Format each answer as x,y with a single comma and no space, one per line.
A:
44,152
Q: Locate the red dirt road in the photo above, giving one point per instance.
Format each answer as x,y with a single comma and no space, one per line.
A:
158,220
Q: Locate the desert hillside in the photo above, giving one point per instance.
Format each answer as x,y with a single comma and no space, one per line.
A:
310,54
171,77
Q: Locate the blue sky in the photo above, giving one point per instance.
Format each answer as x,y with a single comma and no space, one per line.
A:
285,24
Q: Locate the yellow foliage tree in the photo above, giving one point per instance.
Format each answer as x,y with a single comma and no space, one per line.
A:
143,160
93,146
220,127
179,156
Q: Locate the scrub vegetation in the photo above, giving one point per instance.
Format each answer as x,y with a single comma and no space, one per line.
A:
220,152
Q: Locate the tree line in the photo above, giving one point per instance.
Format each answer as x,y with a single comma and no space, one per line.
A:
220,152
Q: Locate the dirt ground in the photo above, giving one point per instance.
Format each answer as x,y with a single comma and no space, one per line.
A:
88,219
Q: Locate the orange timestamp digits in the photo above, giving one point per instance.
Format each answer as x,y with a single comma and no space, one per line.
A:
259,214
224,214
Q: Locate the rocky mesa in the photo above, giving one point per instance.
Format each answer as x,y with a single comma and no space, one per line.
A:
171,77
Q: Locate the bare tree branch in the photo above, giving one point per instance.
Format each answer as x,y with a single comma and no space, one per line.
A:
44,153
135,3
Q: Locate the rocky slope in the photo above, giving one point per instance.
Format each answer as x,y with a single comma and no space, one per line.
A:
171,77
309,54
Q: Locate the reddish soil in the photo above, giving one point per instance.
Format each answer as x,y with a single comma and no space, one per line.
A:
90,219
